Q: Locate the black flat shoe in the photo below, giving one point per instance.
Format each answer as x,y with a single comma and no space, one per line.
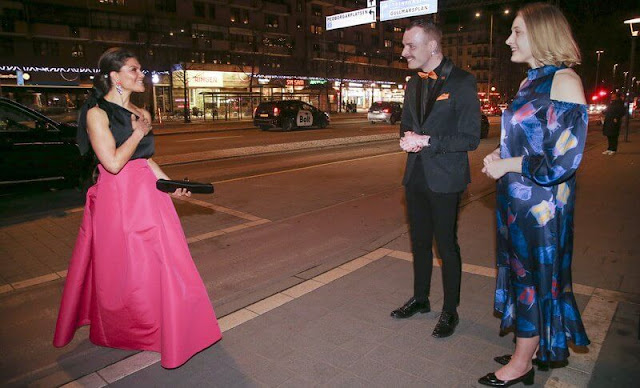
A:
411,308
542,366
446,324
492,381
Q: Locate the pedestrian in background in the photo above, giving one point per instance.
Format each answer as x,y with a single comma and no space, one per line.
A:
542,141
131,276
440,124
612,119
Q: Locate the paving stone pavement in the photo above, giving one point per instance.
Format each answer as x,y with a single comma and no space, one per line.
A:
341,335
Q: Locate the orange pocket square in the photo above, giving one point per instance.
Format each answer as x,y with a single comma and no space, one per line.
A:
443,96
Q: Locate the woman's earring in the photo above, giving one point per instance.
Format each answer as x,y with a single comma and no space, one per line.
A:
119,87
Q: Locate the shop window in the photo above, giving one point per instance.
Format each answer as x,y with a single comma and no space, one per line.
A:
316,10
315,29
373,25
388,43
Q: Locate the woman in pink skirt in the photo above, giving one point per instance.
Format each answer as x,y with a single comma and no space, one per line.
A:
131,276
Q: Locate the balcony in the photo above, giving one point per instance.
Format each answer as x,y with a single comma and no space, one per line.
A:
111,36
247,4
357,59
243,47
378,61
278,51
42,30
481,54
207,44
278,9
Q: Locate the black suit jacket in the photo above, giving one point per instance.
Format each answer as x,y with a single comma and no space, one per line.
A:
454,127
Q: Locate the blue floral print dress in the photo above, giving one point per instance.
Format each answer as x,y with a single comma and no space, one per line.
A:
535,217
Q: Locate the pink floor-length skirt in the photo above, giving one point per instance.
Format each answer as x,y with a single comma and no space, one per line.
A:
131,276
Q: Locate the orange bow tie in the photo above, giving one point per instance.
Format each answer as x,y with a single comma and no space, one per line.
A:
432,74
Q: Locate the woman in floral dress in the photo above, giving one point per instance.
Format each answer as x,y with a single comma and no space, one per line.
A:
542,141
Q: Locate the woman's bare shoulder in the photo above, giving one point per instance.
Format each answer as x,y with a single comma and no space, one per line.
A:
567,87
96,113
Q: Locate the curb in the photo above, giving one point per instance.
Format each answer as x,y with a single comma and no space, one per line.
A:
267,149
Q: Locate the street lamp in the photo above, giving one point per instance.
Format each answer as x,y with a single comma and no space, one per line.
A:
634,35
478,14
613,79
595,87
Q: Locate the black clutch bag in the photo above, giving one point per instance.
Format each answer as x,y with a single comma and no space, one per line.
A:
169,186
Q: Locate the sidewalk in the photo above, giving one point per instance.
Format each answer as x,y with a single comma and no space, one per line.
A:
335,331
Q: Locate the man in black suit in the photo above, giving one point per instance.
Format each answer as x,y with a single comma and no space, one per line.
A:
440,124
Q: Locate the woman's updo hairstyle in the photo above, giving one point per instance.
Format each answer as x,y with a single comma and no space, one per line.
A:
111,60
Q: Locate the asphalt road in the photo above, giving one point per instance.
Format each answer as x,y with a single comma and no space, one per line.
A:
321,207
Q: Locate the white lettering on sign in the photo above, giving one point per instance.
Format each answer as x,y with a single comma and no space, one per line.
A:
353,18
397,9
305,118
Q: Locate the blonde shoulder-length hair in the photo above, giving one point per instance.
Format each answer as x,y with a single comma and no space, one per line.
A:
550,36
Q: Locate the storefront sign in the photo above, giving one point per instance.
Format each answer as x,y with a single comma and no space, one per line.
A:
317,82
295,82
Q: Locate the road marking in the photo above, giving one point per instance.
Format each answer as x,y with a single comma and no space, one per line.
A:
598,314
252,221
308,167
206,138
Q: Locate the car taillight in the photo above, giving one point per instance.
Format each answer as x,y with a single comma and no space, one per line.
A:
386,110
276,111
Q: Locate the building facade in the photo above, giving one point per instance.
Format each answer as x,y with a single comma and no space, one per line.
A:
218,57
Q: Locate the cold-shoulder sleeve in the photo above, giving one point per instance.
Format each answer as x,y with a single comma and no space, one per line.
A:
563,144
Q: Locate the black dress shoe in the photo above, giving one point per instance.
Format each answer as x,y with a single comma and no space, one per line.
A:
411,308
492,381
446,324
542,366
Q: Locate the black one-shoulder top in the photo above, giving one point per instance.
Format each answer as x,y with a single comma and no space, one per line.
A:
119,124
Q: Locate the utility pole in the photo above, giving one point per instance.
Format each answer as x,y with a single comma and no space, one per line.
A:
595,87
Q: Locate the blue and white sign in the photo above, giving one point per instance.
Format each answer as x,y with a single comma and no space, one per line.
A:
398,9
353,18
371,3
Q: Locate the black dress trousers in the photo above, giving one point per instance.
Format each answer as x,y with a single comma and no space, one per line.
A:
433,214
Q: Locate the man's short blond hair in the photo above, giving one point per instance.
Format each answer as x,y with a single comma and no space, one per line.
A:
550,35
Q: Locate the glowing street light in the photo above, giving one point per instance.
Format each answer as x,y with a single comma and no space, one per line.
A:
634,36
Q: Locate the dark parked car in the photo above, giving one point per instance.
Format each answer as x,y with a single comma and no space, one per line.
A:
387,111
34,149
288,115
484,126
